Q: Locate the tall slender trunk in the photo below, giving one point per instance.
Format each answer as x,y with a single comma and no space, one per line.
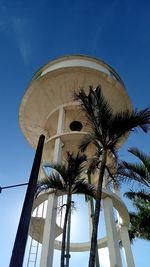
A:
63,247
97,211
92,214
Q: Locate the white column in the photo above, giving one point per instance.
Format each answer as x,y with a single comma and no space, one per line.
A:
50,221
127,246
117,192
49,232
112,235
58,143
90,219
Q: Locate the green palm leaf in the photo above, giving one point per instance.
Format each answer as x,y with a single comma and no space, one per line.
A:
139,172
123,122
139,220
130,172
82,187
145,159
52,182
105,126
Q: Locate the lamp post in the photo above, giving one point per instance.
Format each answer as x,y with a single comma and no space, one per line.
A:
23,227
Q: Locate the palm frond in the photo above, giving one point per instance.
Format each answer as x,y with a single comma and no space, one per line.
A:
130,195
60,168
125,121
54,181
139,220
107,127
87,139
93,164
96,108
42,185
82,187
142,195
133,172
75,165
101,109
145,159
64,175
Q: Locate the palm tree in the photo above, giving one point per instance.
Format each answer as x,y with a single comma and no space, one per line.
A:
66,179
107,129
139,220
139,172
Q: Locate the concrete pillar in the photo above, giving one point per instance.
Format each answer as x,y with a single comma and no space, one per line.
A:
90,216
50,221
127,246
49,232
58,143
111,233
90,219
116,191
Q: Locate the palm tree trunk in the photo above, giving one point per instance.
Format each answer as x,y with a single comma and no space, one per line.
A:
63,247
97,211
92,214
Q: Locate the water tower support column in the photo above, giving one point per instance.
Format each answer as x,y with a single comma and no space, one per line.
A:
127,246
113,244
50,221
58,143
49,233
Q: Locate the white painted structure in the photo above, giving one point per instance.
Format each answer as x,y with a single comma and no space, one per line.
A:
48,107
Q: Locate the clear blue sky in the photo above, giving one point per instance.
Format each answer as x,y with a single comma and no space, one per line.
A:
34,32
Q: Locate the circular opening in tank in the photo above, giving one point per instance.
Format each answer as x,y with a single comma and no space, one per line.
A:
76,126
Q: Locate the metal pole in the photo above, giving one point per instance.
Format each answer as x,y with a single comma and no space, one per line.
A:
23,227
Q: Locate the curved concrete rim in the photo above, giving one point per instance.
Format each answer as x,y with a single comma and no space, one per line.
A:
102,242
65,134
117,202
77,57
84,246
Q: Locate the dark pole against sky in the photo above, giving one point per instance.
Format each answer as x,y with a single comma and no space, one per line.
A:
22,232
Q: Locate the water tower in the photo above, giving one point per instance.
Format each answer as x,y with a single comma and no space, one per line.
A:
48,108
